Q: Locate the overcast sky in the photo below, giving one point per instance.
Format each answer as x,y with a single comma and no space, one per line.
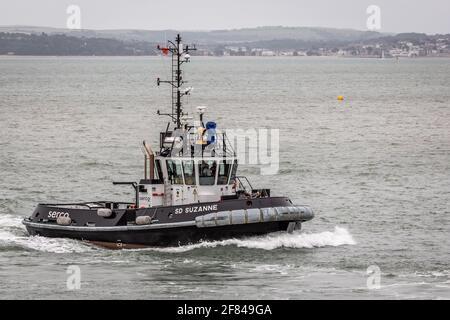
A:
430,16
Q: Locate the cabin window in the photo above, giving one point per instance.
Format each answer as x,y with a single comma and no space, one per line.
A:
234,171
189,173
158,171
207,172
174,171
224,172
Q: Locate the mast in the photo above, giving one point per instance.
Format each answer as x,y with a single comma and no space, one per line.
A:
180,55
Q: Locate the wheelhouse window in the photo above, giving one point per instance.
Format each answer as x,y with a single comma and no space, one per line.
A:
233,171
158,171
174,171
207,172
224,172
189,172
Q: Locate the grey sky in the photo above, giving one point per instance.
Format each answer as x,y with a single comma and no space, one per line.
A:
431,16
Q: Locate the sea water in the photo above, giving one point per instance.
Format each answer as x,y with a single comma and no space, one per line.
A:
375,168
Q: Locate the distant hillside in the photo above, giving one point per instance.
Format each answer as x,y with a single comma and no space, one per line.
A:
60,45
211,37
293,44
414,38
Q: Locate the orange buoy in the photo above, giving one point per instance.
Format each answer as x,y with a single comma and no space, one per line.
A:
340,98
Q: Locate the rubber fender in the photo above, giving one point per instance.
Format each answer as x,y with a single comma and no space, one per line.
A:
254,215
64,221
143,220
104,212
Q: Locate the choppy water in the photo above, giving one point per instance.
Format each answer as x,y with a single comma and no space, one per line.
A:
376,169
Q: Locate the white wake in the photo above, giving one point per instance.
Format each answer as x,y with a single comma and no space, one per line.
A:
13,234
338,237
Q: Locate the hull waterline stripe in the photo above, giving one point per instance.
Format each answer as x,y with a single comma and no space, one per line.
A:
114,228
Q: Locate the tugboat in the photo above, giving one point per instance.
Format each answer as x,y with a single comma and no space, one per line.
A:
190,191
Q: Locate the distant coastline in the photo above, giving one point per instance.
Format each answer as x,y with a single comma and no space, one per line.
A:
264,41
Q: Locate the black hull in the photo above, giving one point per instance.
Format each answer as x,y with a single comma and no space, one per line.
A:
169,226
161,237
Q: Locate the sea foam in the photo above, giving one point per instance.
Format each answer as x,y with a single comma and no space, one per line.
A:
13,234
339,236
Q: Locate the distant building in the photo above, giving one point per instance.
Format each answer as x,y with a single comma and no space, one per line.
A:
268,53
